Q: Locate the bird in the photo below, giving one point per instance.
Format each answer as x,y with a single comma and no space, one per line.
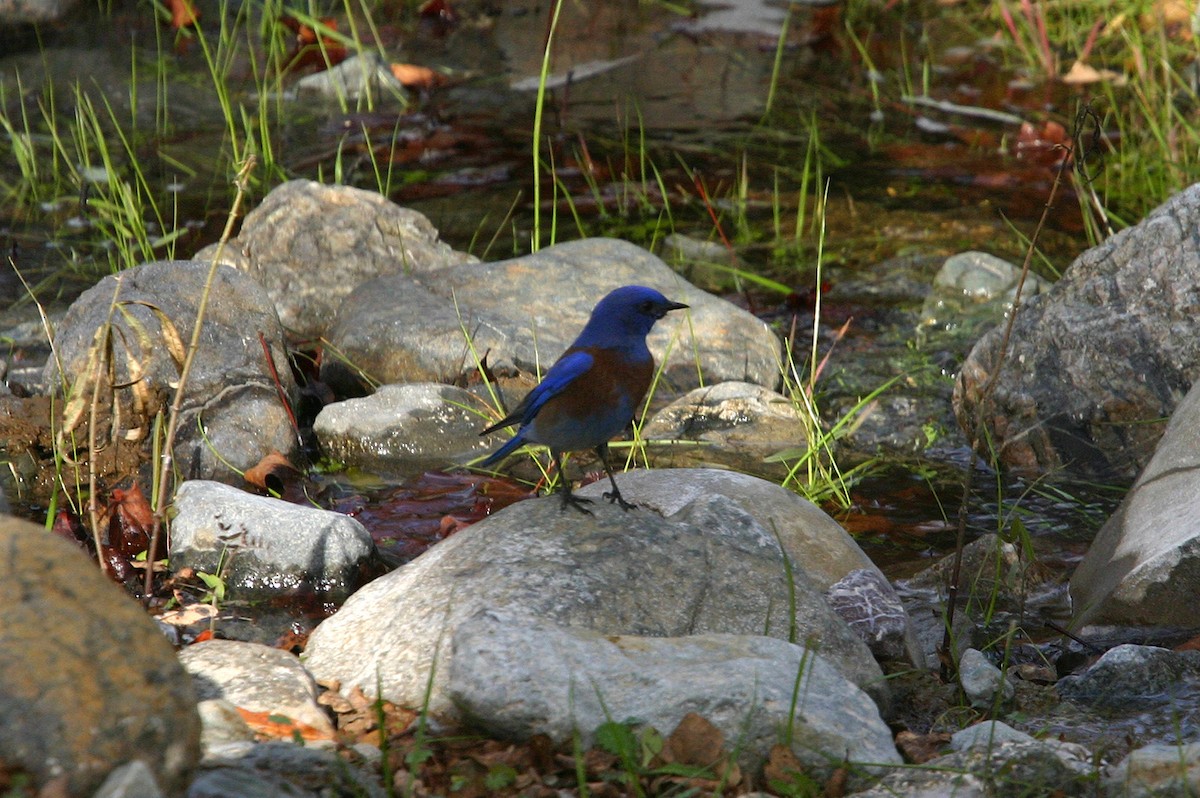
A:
589,395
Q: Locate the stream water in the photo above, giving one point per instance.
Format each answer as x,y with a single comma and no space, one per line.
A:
657,122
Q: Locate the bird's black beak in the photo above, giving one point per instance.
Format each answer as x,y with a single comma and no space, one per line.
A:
667,308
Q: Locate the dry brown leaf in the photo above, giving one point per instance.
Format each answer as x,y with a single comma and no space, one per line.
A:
1082,74
695,741
271,472
183,13
920,748
417,77
782,765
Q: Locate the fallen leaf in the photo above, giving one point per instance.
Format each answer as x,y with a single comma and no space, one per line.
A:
183,14
920,748
695,741
271,472
1082,74
417,77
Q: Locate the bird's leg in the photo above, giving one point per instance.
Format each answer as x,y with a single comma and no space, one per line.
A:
569,498
615,495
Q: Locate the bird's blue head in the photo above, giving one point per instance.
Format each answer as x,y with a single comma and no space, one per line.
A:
627,313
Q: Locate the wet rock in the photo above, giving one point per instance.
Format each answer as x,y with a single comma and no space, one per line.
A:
1113,346
310,245
865,599
265,547
516,677
709,568
89,682
1144,565
404,429
982,682
1155,771
973,289
736,424
357,77
256,678
1131,674
231,390
272,770
524,312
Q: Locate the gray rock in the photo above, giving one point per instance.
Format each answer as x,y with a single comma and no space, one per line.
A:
281,770
1113,346
1010,767
393,329
706,264
982,682
990,733
1132,674
865,599
1155,771
231,390
25,12
971,290
1143,567
404,429
309,245
813,541
256,678
709,569
222,724
131,780
517,677
263,547
736,425
524,312
355,78
89,682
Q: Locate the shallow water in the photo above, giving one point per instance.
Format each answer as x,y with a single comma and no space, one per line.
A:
657,122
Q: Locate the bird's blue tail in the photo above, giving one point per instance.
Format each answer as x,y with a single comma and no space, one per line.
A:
515,443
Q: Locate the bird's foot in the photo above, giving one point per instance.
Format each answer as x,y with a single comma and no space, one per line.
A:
578,502
615,497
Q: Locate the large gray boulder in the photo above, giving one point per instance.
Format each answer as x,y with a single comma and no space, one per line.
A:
710,568
522,313
310,244
1144,565
231,391
89,681
1110,349
519,678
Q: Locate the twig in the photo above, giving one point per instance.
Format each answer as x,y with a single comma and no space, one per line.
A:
945,654
166,465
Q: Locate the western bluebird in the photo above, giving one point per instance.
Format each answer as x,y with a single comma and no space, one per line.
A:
591,392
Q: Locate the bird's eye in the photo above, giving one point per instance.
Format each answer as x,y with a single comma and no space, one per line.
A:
646,306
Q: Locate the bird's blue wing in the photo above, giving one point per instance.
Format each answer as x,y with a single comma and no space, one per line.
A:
566,370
